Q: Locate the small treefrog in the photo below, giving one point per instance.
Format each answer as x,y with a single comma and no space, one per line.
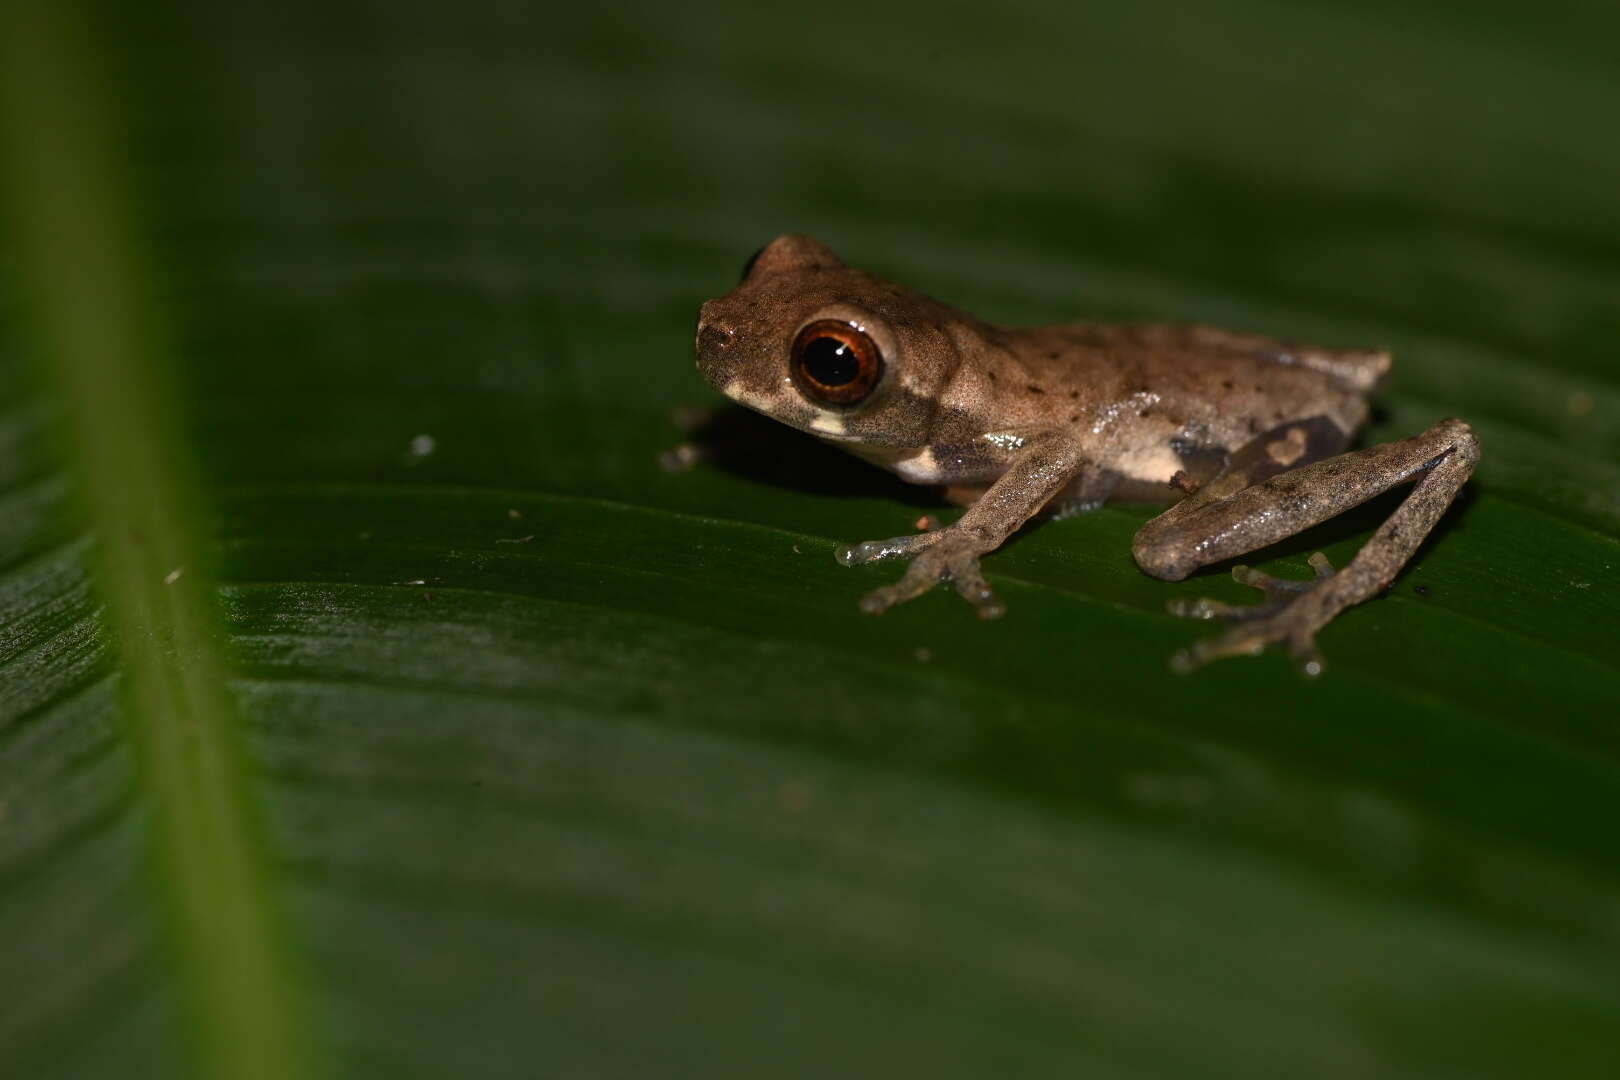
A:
1245,435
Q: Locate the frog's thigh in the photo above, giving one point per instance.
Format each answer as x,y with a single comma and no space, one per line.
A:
1287,446
1219,523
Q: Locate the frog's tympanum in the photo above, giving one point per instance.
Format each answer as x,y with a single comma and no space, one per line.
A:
1245,435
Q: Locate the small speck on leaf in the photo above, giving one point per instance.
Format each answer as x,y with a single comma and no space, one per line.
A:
422,446
795,797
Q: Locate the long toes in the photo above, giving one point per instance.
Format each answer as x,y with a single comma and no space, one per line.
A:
1206,608
1266,583
1231,643
1319,562
923,574
972,587
875,550
878,601
1251,640
882,599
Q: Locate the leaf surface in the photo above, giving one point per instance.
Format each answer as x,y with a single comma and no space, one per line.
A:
530,758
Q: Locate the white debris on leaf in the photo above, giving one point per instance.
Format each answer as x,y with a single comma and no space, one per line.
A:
420,448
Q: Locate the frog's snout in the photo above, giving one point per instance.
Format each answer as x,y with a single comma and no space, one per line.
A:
712,343
712,339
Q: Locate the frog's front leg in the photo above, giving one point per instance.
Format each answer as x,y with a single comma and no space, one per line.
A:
1045,464
1222,523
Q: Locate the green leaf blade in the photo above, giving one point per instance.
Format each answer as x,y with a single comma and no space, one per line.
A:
569,765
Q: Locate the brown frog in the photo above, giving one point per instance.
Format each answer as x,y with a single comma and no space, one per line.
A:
1246,435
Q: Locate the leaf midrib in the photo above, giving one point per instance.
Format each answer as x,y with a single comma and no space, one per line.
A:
103,343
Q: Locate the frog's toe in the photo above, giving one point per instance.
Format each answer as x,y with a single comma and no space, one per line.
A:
1279,594
1283,589
941,561
1205,607
878,601
923,574
1200,653
1250,640
1292,625
964,573
872,551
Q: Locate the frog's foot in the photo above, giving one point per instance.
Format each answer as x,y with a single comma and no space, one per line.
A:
1288,616
1279,593
938,556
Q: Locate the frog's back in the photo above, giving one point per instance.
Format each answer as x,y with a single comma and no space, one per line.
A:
1359,370
1153,399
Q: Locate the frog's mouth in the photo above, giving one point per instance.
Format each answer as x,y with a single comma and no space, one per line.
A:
795,413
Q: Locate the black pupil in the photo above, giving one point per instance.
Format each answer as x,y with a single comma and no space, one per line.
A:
830,362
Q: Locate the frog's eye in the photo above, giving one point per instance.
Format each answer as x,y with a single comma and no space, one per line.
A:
834,363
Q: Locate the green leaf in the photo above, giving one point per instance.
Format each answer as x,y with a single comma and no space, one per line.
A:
372,703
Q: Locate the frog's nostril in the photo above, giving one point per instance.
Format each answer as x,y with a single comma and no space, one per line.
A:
712,337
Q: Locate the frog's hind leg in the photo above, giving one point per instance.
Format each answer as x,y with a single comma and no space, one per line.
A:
1233,515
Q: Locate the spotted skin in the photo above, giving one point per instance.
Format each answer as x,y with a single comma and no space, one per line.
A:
1245,435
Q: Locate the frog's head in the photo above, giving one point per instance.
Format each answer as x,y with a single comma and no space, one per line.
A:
829,349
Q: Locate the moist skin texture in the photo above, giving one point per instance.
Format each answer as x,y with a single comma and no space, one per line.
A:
1244,434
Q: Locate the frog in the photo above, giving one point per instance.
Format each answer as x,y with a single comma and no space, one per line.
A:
1247,438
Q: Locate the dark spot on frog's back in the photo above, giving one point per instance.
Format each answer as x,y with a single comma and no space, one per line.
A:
1032,388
